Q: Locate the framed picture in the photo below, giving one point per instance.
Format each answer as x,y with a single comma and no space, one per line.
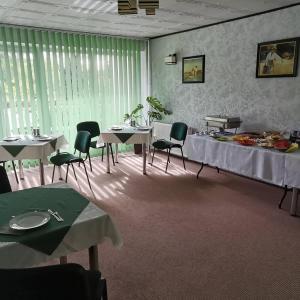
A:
193,68
277,58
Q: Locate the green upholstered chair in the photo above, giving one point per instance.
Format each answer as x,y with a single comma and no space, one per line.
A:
82,144
59,282
93,128
178,132
4,182
14,167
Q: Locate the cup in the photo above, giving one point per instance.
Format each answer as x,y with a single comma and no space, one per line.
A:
36,132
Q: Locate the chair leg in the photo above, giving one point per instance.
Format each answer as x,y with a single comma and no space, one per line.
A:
182,158
80,157
218,170
67,173
112,154
104,291
87,176
53,173
283,196
74,172
102,154
153,156
168,160
14,167
90,162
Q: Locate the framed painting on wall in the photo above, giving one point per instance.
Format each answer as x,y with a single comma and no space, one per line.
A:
193,69
277,58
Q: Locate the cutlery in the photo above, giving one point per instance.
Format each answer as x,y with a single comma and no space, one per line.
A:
56,215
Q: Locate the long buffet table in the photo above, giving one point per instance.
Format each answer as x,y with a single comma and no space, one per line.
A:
271,166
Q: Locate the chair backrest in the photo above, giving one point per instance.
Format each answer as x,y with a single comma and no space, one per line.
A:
59,282
83,141
91,126
179,131
4,182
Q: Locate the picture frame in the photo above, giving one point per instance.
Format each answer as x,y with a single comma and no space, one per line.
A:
193,69
277,58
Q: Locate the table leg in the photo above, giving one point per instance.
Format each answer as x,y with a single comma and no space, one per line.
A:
149,154
63,260
42,173
144,158
21,170
59,168
117,154
293,208
107,158
93,258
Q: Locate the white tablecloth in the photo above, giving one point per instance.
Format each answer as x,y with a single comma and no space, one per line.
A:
267,165
128,135
91,227
33,149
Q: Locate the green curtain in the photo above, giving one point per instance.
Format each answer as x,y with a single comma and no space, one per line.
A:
54,80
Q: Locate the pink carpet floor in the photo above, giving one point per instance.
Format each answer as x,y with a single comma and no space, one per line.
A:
219,237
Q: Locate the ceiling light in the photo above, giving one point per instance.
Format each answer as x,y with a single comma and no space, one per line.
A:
127,7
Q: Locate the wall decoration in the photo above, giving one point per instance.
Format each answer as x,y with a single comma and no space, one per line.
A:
277,58
193,69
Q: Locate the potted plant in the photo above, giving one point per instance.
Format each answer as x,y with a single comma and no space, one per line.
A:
156,112
132,118
156,109
134,115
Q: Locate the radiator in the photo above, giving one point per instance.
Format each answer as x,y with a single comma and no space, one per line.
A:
162,131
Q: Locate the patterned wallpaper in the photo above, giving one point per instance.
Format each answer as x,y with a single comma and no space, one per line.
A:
231,86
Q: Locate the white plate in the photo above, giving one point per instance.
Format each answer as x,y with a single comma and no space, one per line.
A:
143,128
44,138
116,128
11,138
29,220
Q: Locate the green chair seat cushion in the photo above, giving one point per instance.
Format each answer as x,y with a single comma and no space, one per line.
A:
95,146
64,157
164,144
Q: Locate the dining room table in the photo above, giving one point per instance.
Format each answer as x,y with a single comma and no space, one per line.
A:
127,135
31,235
268,165
22,147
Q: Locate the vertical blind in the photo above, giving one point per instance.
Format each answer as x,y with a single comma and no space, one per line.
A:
53,80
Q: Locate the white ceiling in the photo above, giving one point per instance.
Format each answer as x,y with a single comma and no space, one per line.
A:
101,16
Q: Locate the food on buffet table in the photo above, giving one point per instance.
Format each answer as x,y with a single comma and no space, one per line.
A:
223,139
282,145
247,142
240,137
265,145
293,147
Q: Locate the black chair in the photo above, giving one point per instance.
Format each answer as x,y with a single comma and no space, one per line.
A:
4,182
59,282
93,128
82,144
14,167
178,132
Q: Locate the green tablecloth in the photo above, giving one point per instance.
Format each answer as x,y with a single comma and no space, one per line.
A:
45,239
